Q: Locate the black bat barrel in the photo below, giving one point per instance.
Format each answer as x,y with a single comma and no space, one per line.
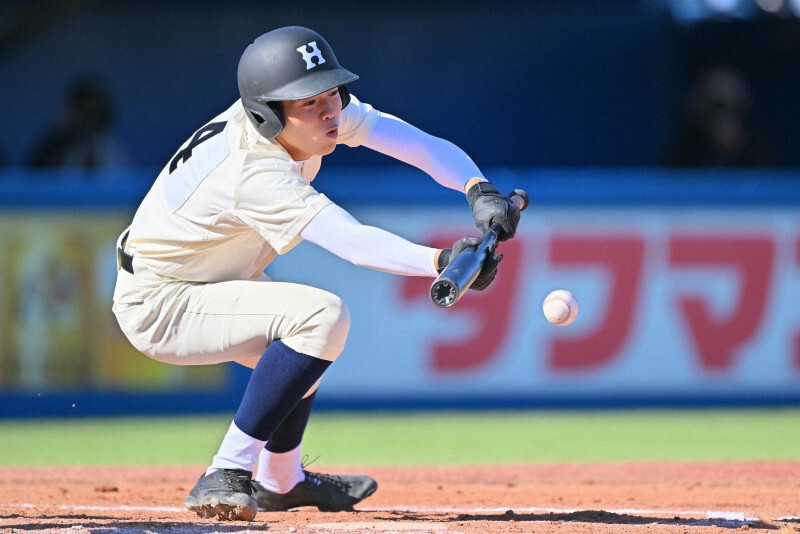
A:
446,290
459,275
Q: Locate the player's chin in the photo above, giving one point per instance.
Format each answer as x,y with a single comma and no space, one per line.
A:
327,148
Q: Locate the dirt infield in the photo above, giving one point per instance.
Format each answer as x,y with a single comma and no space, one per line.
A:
605,498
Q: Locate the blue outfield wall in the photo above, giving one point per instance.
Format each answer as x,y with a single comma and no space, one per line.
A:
687,282
122,189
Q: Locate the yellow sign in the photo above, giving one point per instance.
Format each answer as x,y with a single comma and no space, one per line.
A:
57,331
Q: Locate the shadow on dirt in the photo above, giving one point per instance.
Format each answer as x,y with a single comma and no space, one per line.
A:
114,525
586,516
375,521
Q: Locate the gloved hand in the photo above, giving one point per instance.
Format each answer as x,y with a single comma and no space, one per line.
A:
489,207
488,270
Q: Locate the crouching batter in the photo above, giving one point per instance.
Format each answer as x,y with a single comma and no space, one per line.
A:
191,288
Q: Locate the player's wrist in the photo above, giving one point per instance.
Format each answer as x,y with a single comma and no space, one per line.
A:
473,182
481,189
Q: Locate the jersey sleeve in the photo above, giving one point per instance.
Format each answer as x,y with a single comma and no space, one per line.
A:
356,122
276,202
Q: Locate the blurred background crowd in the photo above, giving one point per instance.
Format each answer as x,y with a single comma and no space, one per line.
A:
686,83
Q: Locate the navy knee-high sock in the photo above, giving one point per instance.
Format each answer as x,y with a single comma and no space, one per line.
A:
290,434
279,381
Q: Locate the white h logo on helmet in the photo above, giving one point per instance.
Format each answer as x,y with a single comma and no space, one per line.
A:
315,53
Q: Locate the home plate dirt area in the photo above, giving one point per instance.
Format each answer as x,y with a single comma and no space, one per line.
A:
598,498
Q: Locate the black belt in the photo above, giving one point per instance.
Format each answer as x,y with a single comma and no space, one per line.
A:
125,260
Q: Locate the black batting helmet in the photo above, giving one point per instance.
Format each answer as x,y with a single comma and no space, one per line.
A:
289,63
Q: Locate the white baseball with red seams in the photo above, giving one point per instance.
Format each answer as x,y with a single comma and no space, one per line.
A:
560,307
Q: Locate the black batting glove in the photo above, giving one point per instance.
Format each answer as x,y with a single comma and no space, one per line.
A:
488,271
489,207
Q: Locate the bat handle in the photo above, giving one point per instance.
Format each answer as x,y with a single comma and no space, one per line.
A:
489,241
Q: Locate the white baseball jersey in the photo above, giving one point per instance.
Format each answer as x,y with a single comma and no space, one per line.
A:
233,192
225,204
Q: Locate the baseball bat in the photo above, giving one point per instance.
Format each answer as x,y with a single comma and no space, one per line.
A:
458,276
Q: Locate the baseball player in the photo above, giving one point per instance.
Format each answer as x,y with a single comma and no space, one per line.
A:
191,289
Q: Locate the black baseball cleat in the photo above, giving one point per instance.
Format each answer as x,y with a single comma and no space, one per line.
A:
226,494
329,493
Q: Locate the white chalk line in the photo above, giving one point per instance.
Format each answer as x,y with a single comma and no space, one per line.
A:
707,514
79,508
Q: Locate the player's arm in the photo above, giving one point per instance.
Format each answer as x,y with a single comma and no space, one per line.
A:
367,246
442,160
448,165
335,230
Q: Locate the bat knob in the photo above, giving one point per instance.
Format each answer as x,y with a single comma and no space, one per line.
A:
521,198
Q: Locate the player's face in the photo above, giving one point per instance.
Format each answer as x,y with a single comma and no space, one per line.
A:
312,125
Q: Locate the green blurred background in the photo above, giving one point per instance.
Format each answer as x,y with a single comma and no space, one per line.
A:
423,438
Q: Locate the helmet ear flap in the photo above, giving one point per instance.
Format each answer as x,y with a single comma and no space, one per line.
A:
268,119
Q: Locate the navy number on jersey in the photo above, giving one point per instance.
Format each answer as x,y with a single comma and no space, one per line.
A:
203,134
194,161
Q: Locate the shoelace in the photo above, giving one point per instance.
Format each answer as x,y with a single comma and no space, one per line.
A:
330,479
305,461
235,479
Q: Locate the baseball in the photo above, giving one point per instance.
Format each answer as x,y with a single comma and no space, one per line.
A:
560,307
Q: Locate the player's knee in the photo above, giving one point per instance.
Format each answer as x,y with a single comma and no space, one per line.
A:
323,332
335,324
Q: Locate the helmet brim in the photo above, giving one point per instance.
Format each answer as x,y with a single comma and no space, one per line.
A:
312,85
